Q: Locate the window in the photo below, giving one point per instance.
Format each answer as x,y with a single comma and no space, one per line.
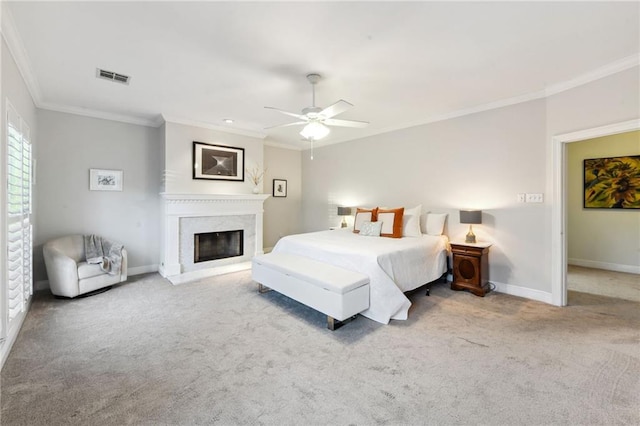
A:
19,228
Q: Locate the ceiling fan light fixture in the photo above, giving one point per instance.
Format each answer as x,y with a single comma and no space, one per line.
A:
317,121
315,131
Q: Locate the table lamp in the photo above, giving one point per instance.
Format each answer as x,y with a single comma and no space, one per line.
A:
470,217
344,211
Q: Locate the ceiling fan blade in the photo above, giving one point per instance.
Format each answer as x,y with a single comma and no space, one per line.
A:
292,114
297,123
345,123
335,109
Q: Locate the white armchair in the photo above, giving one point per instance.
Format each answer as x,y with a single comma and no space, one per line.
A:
69,273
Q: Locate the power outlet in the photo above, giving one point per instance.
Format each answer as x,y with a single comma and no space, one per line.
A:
522,197
534,198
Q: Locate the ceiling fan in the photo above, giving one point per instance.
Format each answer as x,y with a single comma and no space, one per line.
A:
317,119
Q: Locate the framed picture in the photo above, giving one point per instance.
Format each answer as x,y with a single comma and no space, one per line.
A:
612,183
217,162
105,180
279,188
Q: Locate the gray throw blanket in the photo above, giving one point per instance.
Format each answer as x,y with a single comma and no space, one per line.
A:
105,252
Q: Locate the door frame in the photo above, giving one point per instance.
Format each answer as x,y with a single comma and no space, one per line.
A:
559,200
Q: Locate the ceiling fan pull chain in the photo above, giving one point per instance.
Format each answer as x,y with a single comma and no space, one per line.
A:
312,148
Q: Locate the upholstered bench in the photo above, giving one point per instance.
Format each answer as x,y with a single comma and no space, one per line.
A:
336,292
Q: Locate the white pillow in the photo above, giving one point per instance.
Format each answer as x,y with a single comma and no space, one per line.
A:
411,222
435,223
371,229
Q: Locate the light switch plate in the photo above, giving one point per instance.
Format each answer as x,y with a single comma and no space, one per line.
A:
534,198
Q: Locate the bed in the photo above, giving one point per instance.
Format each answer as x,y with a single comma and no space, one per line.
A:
394,265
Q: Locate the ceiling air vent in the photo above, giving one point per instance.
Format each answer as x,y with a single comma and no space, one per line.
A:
113,76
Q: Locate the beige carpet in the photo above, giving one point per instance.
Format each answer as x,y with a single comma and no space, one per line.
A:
604,283
217,352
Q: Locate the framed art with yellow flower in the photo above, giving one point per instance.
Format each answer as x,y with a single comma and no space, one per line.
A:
612,183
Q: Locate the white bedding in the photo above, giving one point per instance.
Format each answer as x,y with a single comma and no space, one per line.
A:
394,265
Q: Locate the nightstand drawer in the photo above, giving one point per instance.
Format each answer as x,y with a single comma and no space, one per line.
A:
473,251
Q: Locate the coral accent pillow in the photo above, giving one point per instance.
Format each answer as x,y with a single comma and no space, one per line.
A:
364,215
391,222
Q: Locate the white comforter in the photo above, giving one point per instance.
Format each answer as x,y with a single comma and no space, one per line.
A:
394,265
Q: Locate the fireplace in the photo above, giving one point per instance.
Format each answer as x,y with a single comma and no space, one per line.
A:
185,215
217,245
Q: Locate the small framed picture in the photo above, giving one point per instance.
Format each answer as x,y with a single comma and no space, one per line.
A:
105,180
217,162
279,188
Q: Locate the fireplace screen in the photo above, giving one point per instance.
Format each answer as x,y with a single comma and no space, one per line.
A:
218,245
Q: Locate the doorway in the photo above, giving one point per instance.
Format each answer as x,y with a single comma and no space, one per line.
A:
559,198
602,243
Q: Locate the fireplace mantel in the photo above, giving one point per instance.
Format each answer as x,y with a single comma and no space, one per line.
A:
177,206
212,198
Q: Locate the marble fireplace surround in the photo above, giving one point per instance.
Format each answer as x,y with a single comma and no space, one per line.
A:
184,214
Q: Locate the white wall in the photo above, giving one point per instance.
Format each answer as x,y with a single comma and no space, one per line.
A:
163,151
476,161
178,141
480,162
282,215
601,238
70,145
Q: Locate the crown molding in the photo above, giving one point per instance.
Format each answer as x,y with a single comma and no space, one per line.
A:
468,111
203,124
129,119
20,56
283,145
593,75
442,117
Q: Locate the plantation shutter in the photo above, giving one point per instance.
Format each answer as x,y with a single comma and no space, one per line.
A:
19,229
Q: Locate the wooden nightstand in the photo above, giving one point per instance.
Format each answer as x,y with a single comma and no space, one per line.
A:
471,267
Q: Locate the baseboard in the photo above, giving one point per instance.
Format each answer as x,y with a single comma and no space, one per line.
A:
169,269
616,267
138,270
5,347
527,293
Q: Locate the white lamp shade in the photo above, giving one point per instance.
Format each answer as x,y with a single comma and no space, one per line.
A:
315,130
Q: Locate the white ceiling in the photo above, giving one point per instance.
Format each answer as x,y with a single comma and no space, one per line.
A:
400,64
